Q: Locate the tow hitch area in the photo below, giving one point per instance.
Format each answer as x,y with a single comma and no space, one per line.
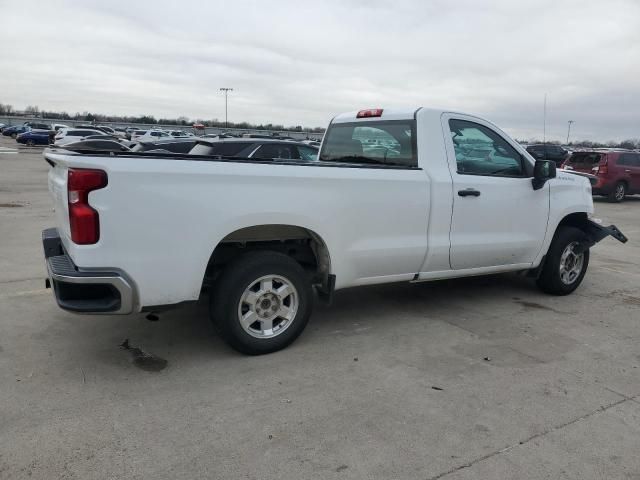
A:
596,232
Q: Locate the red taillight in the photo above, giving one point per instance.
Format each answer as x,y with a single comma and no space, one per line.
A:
372,112
84,220
604,168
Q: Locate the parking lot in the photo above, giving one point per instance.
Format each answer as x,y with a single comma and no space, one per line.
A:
475,378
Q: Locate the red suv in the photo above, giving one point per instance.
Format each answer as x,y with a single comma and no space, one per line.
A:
618,172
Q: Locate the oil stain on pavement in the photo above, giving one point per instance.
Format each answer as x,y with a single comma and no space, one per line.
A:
143,360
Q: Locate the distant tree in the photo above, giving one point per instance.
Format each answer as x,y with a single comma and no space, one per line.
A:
630,144
32,110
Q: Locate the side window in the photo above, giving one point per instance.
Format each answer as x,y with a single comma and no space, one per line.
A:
275,151
481,151
623,159
635,160
307,153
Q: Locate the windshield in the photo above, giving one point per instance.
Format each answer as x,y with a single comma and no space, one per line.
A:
383,142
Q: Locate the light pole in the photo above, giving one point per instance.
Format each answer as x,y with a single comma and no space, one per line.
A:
569,129
226,91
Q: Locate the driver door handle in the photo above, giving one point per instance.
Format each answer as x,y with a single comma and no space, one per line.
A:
469,192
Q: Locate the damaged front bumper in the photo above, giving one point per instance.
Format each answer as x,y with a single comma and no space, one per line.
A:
596,232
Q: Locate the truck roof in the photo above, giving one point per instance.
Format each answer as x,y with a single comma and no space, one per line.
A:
394,113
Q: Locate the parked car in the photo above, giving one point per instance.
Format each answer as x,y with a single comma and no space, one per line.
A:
34,137
179,133
264,235
38,126
2,125
95,143
258,148
153,135
618,171
548,152
128,131
74,134
59,126
168,145
14,131
111,131
135,134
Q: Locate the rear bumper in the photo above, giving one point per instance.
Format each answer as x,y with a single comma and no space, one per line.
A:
82,290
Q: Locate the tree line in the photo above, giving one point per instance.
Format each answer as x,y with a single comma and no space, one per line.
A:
35,111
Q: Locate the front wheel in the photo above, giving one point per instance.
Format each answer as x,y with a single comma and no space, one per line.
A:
565,264
262,302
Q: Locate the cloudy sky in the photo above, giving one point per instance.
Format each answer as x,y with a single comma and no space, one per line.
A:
294,62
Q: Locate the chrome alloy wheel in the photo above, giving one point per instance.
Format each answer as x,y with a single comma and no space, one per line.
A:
619,193
268,306
571,264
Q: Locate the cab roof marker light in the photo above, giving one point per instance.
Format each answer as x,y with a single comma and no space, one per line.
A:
372,112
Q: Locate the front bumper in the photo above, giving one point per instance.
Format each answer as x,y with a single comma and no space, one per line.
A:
82,290
596,232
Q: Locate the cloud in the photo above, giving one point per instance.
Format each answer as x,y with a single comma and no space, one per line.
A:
297,63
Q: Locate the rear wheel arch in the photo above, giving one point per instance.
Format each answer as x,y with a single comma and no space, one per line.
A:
302,244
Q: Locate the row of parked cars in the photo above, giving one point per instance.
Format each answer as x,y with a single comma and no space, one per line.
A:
617,170
107,139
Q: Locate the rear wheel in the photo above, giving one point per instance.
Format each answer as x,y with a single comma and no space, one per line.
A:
30,142
565,264
262,302
618,193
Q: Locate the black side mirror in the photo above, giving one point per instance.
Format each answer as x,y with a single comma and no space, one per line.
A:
542,171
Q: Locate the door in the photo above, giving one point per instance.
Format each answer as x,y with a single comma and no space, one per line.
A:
498,218
629,166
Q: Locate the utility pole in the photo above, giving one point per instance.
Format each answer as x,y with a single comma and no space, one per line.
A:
544,125
226,91
569,129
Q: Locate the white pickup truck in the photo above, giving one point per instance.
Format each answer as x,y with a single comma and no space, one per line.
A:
395,196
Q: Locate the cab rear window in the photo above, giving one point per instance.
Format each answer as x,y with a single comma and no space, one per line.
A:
380,142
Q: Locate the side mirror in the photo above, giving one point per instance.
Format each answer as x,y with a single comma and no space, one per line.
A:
542,171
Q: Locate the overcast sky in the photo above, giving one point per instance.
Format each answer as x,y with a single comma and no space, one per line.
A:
300,63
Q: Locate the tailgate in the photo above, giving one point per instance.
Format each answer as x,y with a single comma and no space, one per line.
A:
58,189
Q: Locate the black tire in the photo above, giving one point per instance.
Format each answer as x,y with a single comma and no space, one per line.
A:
225,301
617,194
14,135
30,143
550,280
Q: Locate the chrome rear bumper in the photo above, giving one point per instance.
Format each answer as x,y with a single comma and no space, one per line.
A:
83,290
